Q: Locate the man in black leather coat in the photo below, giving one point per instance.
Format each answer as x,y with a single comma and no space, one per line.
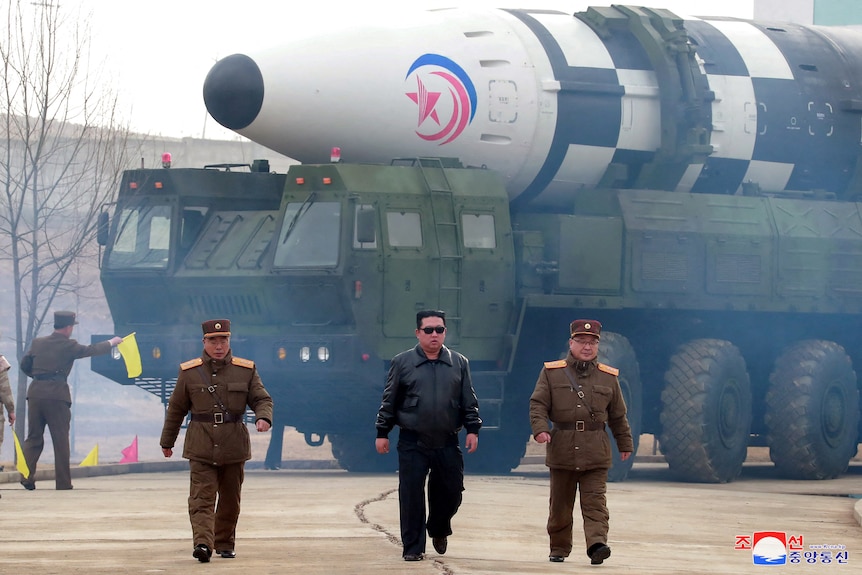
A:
429,395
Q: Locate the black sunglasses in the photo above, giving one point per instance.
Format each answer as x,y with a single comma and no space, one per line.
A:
430,330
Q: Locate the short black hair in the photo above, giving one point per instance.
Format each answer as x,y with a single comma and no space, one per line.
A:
429,313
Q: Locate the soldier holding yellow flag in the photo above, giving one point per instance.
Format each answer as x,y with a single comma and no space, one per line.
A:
49,361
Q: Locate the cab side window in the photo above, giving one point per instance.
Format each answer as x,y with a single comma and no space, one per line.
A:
479,231
405,229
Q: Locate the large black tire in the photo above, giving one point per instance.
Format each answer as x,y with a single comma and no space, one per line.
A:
356,453
615,350
812,411
706,412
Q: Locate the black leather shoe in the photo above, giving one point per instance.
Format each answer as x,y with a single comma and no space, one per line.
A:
598,552
556,558
28,485
202,553
226,553
412,557
440,544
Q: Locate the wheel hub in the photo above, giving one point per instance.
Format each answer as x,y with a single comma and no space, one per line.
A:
832,415
728,414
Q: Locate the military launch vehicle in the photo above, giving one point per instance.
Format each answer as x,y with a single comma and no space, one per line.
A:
691,183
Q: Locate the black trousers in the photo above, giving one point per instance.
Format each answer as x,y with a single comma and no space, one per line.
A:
444,468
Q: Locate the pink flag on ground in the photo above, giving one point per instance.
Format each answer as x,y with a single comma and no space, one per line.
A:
130,454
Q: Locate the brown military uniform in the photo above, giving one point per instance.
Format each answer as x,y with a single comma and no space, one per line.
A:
6,397
217,442
49,400
579,454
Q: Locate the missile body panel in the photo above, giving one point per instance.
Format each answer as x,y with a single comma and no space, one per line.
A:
612,97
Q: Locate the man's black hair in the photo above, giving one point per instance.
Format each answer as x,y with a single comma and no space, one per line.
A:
429,313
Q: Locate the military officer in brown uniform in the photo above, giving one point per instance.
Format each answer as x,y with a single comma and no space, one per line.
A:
49,401
579,396
215,388
6,399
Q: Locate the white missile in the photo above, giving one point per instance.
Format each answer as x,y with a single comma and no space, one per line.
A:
556,102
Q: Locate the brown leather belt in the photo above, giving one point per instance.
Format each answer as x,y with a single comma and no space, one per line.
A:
217,417
580,425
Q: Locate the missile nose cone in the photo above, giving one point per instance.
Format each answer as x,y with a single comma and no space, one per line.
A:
233,91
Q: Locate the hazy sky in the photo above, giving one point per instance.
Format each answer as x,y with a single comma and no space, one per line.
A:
157,53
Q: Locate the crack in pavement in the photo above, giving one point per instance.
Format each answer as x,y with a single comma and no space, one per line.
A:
359,510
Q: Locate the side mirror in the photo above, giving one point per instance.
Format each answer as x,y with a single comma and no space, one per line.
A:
366,226
102,227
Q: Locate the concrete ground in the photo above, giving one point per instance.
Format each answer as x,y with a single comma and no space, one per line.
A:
132,519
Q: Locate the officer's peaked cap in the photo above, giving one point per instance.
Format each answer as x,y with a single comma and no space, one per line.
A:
586,327
64,319
216,327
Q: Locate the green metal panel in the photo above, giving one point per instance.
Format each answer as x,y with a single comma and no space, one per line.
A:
590,254
698,244
820,248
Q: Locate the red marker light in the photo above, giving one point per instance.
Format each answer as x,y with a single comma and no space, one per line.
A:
166,160
300,181
327,181
365,357
357,289
335,155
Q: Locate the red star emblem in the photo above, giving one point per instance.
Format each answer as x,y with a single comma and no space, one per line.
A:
427,102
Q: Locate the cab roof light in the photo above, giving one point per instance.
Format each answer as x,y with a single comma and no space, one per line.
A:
133,185
300,181
327,181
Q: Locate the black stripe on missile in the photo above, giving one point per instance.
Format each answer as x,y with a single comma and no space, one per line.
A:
634,161
781,137
810,129
588,108
720,176
626,51
720,57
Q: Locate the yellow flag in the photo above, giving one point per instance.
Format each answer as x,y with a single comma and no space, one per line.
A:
21,464
92,458
129,350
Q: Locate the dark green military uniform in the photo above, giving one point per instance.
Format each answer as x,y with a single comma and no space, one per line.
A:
579,453
217,444
49,401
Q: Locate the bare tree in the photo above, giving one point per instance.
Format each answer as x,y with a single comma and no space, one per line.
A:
62,149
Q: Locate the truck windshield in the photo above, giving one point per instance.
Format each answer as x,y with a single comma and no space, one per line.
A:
142,238
309,235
